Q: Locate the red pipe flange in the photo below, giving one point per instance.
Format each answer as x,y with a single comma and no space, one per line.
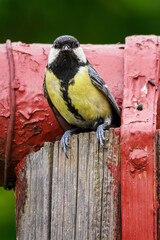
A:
138,138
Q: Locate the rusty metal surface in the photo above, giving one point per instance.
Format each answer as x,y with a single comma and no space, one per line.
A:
138,138
34,121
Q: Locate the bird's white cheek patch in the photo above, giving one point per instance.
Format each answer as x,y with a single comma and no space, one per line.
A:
53,55
80,54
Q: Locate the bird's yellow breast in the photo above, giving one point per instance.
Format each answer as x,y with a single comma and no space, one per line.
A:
90,103
56,96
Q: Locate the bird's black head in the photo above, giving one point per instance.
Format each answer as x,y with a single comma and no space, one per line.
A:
66,43
65,50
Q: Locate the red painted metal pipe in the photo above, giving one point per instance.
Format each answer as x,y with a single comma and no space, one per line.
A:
138,138
26,121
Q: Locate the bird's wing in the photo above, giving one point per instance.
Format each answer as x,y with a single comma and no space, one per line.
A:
62,122
101,85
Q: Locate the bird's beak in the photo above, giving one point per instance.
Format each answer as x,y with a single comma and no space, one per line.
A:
66,47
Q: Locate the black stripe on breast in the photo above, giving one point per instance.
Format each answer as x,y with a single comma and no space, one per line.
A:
65,68
71,107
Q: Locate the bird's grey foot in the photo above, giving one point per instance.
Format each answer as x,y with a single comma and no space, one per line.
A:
100,135
100,131
64,140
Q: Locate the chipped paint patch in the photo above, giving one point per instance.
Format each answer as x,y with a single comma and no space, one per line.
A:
144,89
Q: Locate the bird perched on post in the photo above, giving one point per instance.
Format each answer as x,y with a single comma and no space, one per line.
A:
77,95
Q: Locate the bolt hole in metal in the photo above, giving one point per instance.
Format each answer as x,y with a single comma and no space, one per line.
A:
139,106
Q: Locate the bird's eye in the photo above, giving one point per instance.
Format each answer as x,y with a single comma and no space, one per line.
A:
55,45
77,44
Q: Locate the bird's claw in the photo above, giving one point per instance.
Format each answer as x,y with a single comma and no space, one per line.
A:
64,141
100,135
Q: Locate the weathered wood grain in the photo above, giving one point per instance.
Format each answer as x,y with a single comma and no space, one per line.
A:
74,198
33,222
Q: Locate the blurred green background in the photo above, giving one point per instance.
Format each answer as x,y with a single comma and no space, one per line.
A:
91,21
7,215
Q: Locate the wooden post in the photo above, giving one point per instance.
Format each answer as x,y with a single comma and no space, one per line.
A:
75,198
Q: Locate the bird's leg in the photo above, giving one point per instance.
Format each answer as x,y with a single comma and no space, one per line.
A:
65,138
100,130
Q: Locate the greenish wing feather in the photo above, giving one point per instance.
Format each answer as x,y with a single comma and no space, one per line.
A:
62,122
100,84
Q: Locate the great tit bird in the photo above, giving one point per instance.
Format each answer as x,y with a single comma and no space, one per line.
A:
77,95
